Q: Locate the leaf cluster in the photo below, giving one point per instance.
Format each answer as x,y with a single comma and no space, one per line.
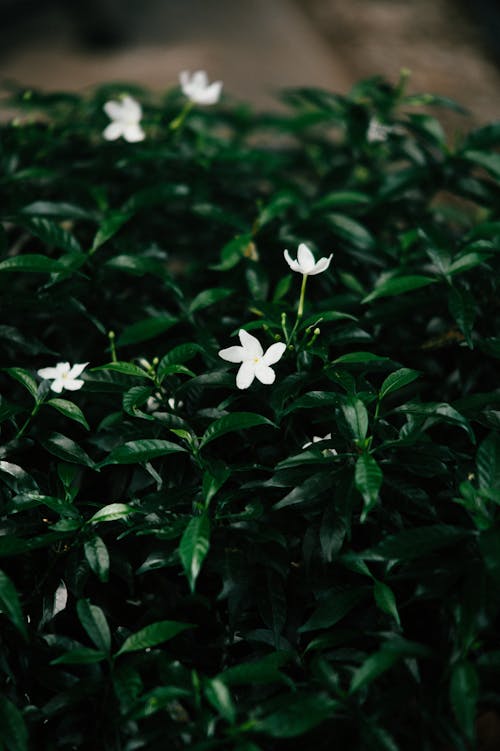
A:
181,564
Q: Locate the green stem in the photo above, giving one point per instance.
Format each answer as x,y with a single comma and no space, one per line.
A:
111,337
27,422
300,309
178,121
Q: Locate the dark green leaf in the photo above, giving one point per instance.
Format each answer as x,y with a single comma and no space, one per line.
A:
398,285
231,423
397,380
148,328
9,602
67,450
97,556
95,624
69,409
134,452
152,635
194,546
13,731
31,262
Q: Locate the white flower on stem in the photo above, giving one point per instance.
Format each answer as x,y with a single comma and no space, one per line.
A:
378,132
317,439
255,363
125,118
197,89
305,263
64,376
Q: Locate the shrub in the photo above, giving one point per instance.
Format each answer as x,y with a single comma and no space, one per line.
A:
308,563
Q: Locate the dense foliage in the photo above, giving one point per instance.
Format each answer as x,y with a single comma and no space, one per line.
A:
179,568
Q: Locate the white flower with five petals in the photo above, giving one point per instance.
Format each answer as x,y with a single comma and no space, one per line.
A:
125,118
197,89
64,376
255,363
305,263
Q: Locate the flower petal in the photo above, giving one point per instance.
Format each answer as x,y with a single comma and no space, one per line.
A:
133,133
232,354
113,131
114,110
305,258
293,264
77,368
132,110
199,79
321,265
72,384
250,344
274,353
57,385
245,374
264,373
211,94
48,373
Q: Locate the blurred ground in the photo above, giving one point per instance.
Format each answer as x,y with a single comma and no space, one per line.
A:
256,47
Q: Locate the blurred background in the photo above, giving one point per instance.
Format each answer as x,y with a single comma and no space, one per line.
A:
452,47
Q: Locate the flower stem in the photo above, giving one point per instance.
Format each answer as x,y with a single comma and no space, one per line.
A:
178,121
300,309
111,337
27,422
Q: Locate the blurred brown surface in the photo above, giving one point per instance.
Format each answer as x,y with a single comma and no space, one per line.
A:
256,47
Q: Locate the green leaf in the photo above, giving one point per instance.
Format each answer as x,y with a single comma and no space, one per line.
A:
69,409
58,210
368,479
135,452
333,608
263,670
398,285
397,380
25,378
80,656
111,512
464,691
97,556
31,262
9,602
384,597
341,198
53,235
208,297
219,697
194,546
351,230
95,624
373,666
437,411
489,160
13,731
231,423
148,328
180,354
161,193
360,357
416,542
213,479
356,416
109,227
152,635
134,398
462,307
488,462
299,713
126,368
233,252
67,450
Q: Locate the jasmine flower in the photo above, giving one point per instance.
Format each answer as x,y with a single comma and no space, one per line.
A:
254,361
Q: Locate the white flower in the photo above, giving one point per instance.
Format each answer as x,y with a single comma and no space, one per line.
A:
196,87
305,263
254,362
64,376
317,439
125,118
378,132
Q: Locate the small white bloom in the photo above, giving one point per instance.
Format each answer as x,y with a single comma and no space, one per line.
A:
64,376
378,132
254,361
196,87
317,439
305,263
125,118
